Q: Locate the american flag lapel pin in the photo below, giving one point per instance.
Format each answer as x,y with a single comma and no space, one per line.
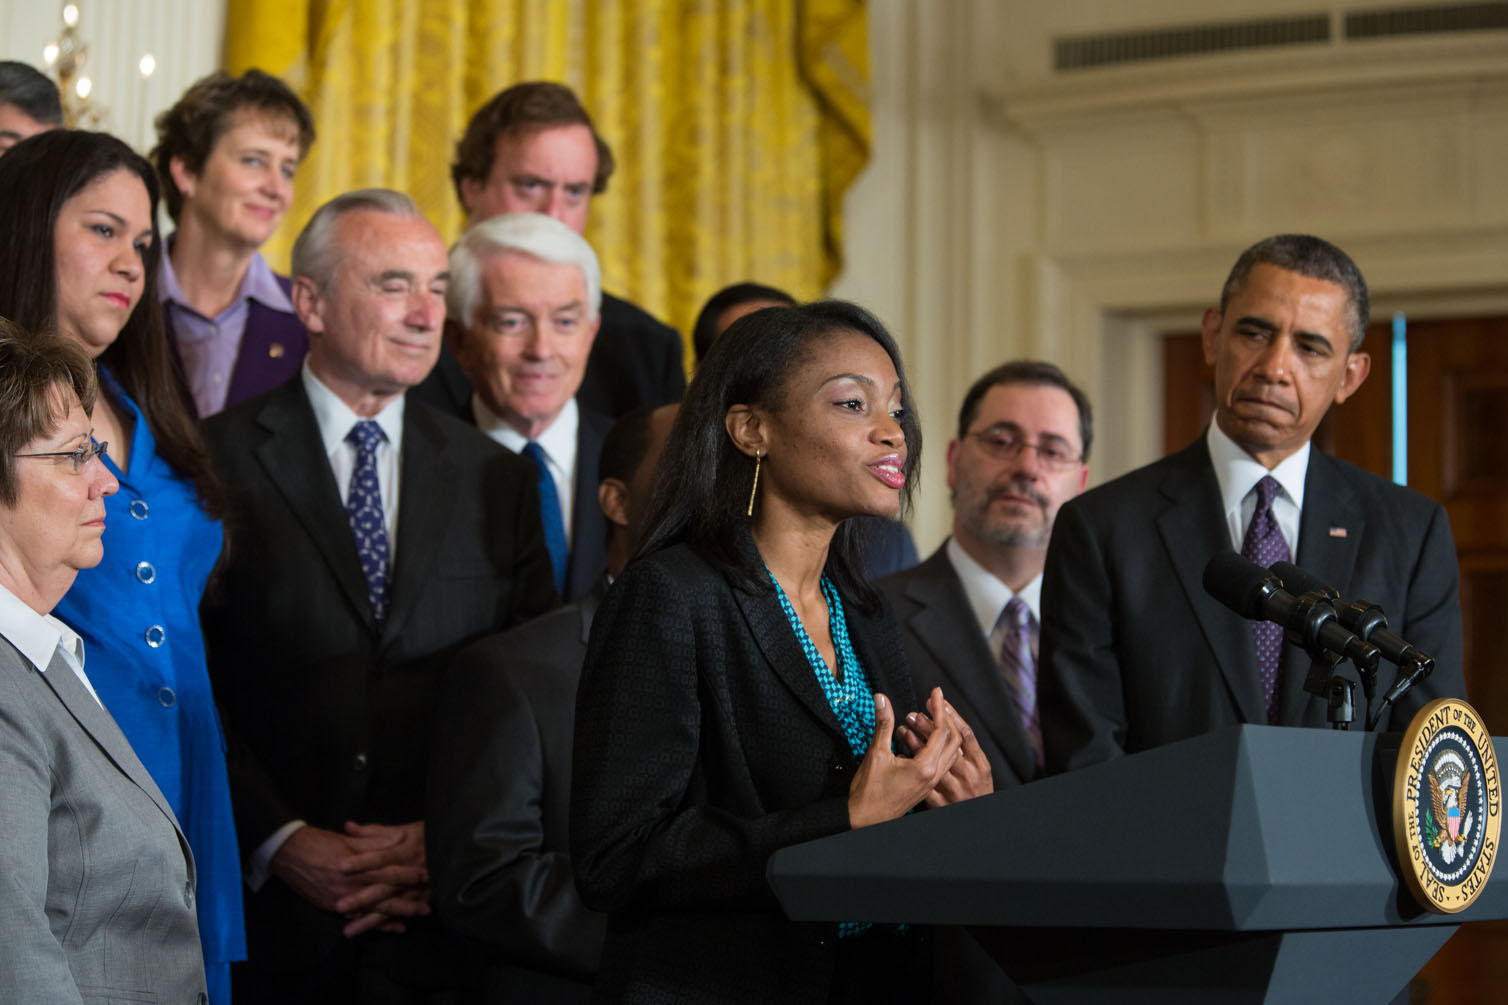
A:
1337,531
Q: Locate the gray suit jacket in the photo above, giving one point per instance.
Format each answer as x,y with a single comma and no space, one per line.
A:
96,878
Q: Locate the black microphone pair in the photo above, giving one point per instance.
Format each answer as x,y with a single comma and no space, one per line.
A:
1313,611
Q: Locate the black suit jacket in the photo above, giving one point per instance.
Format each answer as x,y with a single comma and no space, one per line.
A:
499,802
588,559
635,361
945,648
704,743
588,525
1136,654
331,720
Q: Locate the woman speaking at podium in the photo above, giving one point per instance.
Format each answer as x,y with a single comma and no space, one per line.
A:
744,684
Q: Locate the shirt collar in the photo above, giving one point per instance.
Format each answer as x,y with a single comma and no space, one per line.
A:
987,594
335,418
35,635
259,283
1238,472
558,441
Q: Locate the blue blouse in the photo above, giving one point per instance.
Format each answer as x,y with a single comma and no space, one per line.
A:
138,613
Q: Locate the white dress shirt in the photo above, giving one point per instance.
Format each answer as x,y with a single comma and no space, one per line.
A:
558,442
39,636
988,595
336,420
1238,472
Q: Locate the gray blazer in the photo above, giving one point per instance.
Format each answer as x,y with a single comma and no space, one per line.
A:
96,878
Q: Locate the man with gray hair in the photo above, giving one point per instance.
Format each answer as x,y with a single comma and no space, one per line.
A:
375,537
525,299
1135,652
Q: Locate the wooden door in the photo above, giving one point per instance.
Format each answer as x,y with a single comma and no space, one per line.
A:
1458,456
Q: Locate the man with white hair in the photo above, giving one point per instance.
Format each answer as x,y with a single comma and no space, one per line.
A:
525,296
376,536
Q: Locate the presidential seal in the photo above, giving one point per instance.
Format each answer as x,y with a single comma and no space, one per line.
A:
1447,805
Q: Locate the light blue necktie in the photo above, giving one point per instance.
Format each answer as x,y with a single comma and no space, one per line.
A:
549,514
364,509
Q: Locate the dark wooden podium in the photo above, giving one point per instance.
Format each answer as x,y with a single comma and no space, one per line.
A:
1254,864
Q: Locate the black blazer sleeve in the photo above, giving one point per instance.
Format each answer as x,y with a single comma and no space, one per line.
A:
673,807
1080,692
498,800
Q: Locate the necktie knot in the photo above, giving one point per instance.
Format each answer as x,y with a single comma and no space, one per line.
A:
1267,490
366,435
1015,614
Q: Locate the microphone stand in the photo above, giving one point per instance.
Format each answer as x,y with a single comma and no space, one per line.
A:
1324,680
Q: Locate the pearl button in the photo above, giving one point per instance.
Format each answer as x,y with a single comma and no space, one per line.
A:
155,636
145,573
138,508
167,696
188,894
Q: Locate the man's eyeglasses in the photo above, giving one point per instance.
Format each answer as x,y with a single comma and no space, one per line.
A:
80,457
1007,445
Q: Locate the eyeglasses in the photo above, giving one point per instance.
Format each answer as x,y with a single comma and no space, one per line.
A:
80,457
1007,445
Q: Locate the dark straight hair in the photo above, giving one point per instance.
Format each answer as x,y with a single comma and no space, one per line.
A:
37,176
702,483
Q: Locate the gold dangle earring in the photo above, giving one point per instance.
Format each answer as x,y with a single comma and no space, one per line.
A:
755,488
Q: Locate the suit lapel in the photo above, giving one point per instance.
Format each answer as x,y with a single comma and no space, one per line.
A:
1329,504
1192,530
293,457
878,647
102,729
782,651
588,529
425,472
945,626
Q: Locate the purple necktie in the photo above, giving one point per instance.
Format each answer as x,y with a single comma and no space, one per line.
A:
1018,665
1264,545
364,509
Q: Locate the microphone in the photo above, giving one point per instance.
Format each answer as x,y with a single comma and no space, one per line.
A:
1360,616
1258,595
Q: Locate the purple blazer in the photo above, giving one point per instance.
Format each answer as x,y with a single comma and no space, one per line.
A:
272,350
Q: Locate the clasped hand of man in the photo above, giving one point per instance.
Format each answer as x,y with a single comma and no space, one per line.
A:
373,874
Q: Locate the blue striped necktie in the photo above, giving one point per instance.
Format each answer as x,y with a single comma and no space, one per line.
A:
549,513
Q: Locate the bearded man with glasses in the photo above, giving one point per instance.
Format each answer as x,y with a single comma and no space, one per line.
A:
971,612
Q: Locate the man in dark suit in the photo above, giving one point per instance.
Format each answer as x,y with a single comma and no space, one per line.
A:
499,849
1135,652
532,148
375,537
970,614
524,296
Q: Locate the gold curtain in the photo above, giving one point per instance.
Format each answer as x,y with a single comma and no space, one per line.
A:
737,126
